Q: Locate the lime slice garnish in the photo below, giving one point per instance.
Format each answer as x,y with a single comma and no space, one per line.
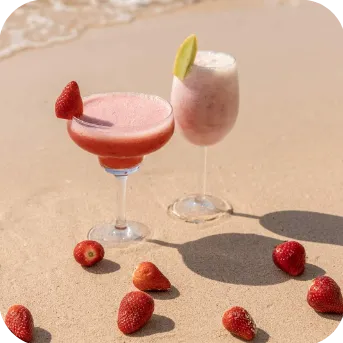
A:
185,57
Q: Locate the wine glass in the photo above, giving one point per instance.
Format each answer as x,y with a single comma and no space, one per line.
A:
205,105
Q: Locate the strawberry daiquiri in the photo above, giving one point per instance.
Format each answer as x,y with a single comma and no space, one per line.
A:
120,129
205,99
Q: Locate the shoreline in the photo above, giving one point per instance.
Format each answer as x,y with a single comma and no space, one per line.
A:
208,6
143,14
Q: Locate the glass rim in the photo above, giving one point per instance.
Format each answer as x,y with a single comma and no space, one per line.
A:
136,94
234,62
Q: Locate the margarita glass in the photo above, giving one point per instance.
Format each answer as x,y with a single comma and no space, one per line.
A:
121,128
206,104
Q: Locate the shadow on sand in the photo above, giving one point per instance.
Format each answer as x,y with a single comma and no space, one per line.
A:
235,258
157,324
103,267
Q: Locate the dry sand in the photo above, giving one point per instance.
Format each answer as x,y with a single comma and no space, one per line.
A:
281,167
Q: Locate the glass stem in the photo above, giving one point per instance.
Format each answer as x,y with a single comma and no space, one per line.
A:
121,223
204,177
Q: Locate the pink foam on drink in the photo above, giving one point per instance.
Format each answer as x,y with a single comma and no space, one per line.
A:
121,128
128,111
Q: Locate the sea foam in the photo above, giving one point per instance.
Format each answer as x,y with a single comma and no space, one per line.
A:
42,22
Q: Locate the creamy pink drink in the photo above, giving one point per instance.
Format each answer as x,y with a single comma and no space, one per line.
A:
120,128
206,102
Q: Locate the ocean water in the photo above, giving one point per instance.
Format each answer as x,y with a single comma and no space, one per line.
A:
42,22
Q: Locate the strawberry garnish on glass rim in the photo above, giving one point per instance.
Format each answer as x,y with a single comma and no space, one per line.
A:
69,104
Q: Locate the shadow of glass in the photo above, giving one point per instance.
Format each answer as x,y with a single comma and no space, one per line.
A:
103,267
244,259
157,324
41,336
305,226
173,293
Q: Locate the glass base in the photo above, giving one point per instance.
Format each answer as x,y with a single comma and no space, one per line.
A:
109,236
197,208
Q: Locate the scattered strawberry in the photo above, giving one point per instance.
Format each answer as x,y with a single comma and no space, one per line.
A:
147,277
135,310
88,253
325,296
69,104
20,322
239,322
290,257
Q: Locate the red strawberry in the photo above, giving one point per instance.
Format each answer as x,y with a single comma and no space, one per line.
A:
324,295
135,310
69,104
19,320
88,253
147,277
239,322
290,257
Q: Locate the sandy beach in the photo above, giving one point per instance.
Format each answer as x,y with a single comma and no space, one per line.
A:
281,169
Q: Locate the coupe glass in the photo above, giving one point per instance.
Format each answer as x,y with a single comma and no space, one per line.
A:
121,128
